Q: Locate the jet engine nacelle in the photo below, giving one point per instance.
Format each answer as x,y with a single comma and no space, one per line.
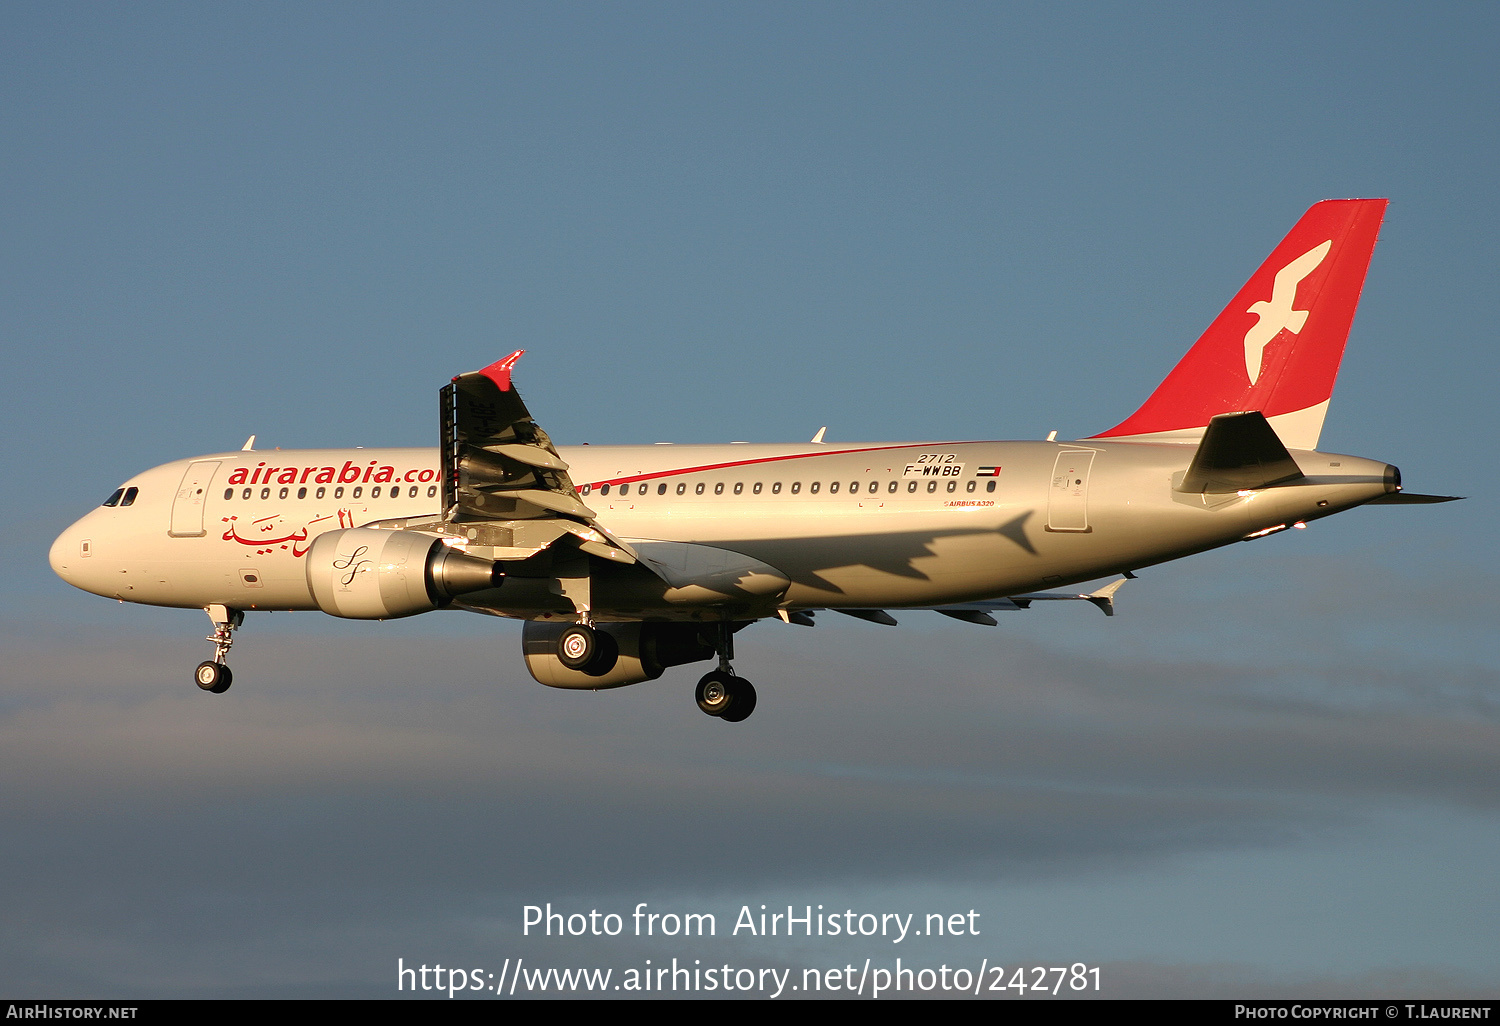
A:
367,573
644,651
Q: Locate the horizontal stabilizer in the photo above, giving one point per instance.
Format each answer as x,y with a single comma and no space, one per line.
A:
1239,451
1411,499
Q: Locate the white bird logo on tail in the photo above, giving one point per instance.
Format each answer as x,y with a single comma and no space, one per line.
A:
1277,313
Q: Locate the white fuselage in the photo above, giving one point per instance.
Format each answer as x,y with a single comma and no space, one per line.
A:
882,525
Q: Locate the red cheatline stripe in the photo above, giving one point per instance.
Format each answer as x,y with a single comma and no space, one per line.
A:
765,459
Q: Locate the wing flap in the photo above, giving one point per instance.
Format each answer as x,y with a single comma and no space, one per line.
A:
532,455
689,567
493,448
504,484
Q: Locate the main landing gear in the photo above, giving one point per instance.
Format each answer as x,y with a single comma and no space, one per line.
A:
581,647
720,693
214,675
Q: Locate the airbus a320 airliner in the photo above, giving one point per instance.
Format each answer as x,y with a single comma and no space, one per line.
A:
623,561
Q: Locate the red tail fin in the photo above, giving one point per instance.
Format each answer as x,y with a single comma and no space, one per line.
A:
1276,347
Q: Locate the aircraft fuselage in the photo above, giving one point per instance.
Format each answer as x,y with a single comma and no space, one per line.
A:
879,525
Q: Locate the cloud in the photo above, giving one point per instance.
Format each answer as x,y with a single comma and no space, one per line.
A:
374,788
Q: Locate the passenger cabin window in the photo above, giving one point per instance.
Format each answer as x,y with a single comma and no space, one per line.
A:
833,488
661,489
229,493
812,487
756,489
698,490
604,490
989,486
374,492
911,486
739,486
265,493
431,491
892,488
681,488
776,488
953,486
245,494
971,486
283,494
796,487
320,493
719,488
301,493
358,491
338,493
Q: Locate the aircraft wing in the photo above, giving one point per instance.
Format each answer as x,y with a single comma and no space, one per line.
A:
504,484
977,612
1103,598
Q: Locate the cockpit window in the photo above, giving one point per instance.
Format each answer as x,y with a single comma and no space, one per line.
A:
114,500
130,494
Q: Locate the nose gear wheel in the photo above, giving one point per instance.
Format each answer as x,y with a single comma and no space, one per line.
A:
726,696
213,675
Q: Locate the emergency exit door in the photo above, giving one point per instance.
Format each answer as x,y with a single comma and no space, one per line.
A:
1068,498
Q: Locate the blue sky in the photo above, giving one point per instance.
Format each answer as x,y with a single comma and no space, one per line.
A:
1273,773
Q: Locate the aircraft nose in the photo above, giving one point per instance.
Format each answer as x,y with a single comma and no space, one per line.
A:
72,555
64,554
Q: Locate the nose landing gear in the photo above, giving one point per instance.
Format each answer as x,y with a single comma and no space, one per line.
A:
720,693
213,675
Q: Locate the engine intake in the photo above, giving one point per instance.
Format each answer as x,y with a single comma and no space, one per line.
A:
367,573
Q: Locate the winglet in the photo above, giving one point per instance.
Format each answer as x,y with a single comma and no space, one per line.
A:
1104,598
818,438
499,371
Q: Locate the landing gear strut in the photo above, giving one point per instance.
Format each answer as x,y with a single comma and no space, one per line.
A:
720,693
214,675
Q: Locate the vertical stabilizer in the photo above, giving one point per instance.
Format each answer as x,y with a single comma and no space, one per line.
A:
1276,347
